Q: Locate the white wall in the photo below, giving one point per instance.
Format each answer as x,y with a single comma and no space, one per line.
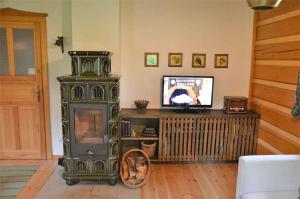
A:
95,26
187,26
129,28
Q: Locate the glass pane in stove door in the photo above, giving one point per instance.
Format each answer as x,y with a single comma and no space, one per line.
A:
89,126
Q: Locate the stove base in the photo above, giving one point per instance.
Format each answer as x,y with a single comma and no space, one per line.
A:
74,179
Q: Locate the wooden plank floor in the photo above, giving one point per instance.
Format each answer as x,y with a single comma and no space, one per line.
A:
167,181
191,181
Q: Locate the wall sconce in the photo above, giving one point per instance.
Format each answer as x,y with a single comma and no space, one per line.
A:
263,4
60,43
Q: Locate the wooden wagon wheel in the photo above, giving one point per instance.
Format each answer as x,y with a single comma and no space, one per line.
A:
147,173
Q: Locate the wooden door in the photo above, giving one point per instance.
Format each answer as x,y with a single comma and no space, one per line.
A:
22,100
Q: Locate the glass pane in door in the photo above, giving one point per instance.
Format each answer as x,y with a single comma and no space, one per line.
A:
4,67
89,126
24,51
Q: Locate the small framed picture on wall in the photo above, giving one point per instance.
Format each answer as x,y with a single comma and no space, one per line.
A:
198,60
175,59
221,60
151,59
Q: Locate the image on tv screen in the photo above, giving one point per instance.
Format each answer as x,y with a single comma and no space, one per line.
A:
191,91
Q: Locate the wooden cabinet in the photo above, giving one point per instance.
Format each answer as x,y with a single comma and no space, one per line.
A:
208,135
133,137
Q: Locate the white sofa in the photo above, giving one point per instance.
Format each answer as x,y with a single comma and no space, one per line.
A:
268,177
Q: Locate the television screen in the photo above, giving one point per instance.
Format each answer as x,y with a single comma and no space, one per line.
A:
187,91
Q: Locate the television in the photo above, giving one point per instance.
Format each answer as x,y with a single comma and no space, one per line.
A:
187,91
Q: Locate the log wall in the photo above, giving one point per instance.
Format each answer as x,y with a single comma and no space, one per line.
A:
275,66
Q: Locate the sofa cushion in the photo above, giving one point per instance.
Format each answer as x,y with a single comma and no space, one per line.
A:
272,195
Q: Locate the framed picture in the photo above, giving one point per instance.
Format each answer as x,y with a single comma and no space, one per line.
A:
221,60
151,59
175,59
198,60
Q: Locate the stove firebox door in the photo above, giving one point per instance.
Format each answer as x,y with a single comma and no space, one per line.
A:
89,129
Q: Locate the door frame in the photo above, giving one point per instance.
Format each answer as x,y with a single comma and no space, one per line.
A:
9,14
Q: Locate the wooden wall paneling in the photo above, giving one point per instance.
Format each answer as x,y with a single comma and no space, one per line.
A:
279,51
262,150
285,7
275,95
279,143
280,133
278,40
281,28
252,59
279,119
278,62
279,18
275,84
283,74
271,105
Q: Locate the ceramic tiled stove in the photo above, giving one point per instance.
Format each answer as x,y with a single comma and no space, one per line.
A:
90,108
